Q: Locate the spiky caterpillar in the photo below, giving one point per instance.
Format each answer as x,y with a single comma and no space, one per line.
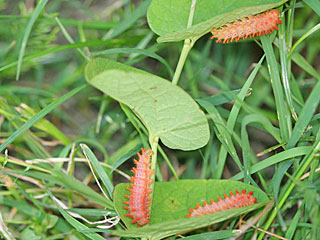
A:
139,199
248,27
242,199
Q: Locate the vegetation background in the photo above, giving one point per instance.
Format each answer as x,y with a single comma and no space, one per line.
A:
44,73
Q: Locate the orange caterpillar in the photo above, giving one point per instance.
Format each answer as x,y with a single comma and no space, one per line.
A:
242,199
250,26
139,199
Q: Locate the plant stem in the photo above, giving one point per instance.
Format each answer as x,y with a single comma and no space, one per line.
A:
23,164
188,44
154,147
185,51
169,163
303,168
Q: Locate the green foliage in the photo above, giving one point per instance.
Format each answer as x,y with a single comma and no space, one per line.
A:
172,200
169,18
168,228
155,101
248,111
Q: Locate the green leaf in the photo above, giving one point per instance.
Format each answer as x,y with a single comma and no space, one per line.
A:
166,110
223,234
49,221
314,4
145,52
27,233
172,200
169,18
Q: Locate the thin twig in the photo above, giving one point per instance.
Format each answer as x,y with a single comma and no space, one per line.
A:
269,233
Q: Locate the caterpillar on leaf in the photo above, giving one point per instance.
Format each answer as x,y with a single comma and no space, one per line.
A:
139,199
242,199
250,26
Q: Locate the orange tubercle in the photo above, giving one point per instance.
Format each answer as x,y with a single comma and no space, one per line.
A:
139,199
234,201
250,26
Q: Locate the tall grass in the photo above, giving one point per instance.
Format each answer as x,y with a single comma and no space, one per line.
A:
262,100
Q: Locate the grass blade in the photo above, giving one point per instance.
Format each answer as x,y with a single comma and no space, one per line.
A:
99,169
233,116
75,223
94,43
222,131
69,38
34,17
306,115
305,65
129,21
294,224
284,68
287,191
314,4
307,34
270,161
76,185
282,111
40,115
224,234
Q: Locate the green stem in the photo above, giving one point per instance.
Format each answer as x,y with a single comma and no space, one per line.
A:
185,51
188,44
169,163
69,38
23,164
291,187
191,14
154,147
307,34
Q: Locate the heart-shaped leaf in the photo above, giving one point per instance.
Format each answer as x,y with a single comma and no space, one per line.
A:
172,200
169,18
166,110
